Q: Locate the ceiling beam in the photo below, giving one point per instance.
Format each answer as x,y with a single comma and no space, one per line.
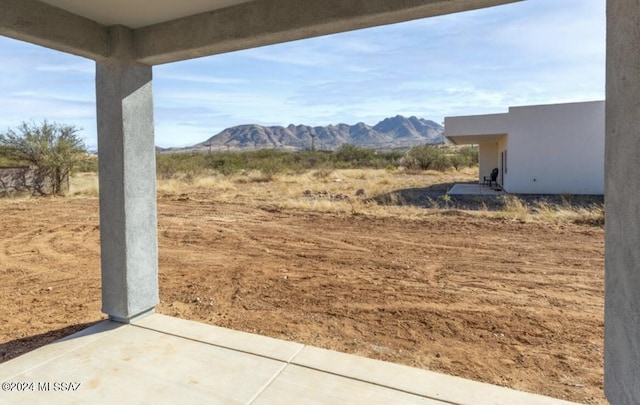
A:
266,22
45,25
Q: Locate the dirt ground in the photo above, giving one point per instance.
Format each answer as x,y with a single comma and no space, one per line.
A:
513,303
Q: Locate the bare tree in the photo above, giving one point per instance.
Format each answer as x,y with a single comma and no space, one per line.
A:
54,149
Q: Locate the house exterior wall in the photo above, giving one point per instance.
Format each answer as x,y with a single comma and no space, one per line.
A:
556,149
547,149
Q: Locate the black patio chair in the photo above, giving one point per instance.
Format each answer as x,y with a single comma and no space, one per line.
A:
488,181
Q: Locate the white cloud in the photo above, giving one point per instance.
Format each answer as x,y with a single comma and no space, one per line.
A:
182,76
87,68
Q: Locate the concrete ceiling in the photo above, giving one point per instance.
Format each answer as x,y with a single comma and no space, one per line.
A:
139,13
162,31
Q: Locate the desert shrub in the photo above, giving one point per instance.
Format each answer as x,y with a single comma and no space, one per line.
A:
353,155
5,158
470,154
164,169
457,161
427,157
389,159
54,149
350,156
270,169
226,163
310,160
268,161
465,157
184,164
88,165
437,157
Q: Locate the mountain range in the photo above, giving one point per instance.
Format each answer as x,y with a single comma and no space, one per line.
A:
395,132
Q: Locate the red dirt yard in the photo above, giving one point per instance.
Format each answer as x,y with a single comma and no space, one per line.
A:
513,303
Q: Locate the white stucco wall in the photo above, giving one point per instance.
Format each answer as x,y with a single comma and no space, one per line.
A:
550,149
556,149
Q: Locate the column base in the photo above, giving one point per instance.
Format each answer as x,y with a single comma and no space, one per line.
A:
134,318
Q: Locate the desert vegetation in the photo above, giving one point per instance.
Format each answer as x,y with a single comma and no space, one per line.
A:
271,162
349,180
352,180
53,150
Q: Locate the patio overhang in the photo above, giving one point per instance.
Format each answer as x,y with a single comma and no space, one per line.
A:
475,139
476,129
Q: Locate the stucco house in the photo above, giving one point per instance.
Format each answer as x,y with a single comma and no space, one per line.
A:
542,149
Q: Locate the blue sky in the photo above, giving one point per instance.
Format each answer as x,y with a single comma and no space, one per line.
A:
483,61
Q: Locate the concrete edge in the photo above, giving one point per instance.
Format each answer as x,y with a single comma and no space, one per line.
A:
442,387
263,346
457,190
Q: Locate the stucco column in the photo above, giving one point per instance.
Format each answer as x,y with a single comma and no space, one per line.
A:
127,173
622,188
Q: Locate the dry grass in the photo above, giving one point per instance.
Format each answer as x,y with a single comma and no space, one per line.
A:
351,191
591,215
517,209
84,184
20,202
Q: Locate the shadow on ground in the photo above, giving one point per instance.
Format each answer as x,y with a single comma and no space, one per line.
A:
435,196
15,348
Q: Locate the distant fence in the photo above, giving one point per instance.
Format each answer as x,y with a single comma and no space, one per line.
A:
23,180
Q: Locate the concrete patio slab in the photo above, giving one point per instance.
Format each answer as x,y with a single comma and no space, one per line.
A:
463,189
300,385
244,342
160,359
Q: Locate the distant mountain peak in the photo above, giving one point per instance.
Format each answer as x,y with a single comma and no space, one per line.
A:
393,132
